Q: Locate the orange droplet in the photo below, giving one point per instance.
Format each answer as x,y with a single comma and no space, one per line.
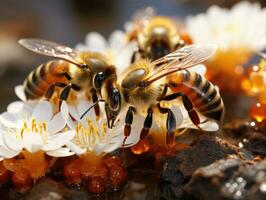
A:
22,180
117,176
245,85
96,185
72,175
141,147
258,112
257,81
3,174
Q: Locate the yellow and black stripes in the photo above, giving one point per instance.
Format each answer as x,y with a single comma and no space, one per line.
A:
40,79
203,94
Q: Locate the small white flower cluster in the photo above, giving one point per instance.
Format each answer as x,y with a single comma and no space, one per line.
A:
34,126
243,26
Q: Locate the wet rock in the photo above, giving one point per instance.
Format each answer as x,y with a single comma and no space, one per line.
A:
178,170
172,180
229,178
204,152
247,134
256,143
48,189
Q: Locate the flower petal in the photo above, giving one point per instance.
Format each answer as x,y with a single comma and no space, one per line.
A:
56,124
19,91
72,124
99,148
73,111
210,126
7,153
73,147
43,111
10,120
11,142
117,40
62,152
83,106
19,107
32,142
96,42
58,140
123,58
178,115
64,110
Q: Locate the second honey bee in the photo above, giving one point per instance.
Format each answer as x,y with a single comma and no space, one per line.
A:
141,88
156,36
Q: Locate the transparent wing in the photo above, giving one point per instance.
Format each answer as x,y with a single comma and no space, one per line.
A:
183,58
52,49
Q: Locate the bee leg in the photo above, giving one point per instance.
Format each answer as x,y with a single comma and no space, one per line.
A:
170,124
94,100
193,115
165,90
67,76
147,124
49,93
64,94
134,56
128,121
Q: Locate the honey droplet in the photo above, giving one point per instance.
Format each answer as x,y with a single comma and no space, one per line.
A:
22,180
96,185
258,112
257,82
141,147
117,176
4,175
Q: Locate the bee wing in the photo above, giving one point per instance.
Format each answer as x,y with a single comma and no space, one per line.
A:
52,49
183,58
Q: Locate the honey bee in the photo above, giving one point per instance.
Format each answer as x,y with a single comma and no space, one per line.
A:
145,85
142,87
73,70
156,36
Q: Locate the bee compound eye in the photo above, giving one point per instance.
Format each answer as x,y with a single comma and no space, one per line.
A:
98,80
115,100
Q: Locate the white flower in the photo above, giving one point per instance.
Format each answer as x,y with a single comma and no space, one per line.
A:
93,135
244,26
34,129
117,48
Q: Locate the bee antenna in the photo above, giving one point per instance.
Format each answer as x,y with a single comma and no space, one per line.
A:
99,100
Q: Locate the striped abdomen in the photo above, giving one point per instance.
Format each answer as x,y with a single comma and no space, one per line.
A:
40,79
202,93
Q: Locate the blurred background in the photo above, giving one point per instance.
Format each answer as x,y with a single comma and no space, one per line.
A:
67,22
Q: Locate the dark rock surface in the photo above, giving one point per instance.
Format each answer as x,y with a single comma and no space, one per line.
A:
204,152
178,170
246,134
229,178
